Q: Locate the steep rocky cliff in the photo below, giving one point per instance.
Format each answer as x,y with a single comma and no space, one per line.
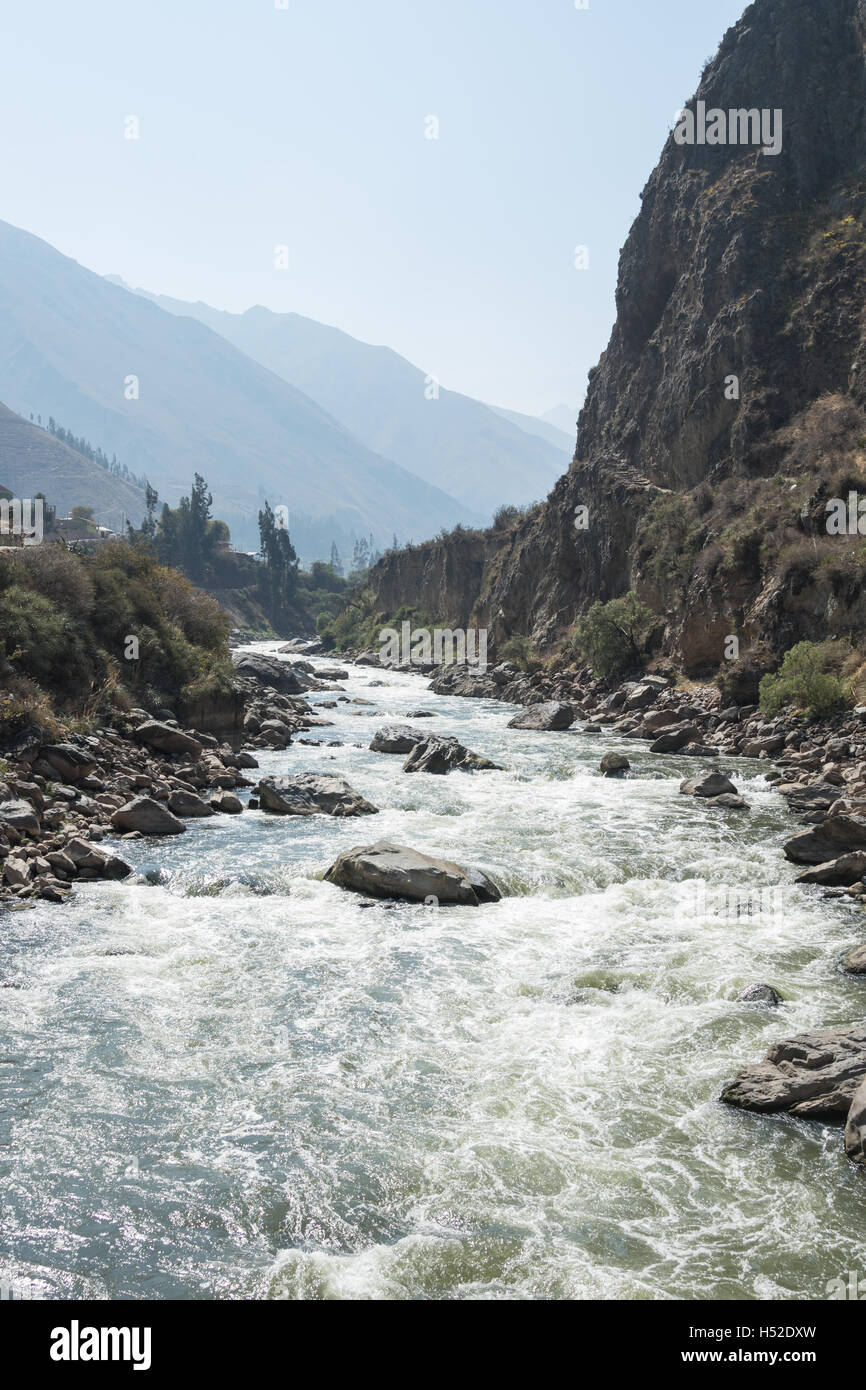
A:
705,494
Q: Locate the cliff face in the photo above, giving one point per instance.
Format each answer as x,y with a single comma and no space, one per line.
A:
741,264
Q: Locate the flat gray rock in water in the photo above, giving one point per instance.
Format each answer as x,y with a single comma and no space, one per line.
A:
847,869
834,836
708,784
551,716
814,1075
386,870
310,795
396,738
444,755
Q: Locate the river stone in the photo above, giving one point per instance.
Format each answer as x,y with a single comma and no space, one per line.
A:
551,716
148,816
396,738
443,755
708,784
672,740
841,872
167,739
760,994
20,815
85,855
386,870
226,803
69,762
801,800
188,805
614,765
643,695
814,1075
834,836
856,961
16,872
307,794
855,1127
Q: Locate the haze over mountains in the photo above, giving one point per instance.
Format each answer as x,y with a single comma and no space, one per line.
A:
480,455
264,405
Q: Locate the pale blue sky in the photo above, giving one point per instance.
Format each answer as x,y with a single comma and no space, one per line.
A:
305,126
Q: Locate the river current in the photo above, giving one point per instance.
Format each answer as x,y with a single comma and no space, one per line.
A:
228,1079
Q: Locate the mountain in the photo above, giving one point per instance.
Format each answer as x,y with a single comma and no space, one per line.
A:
728,411
543,429
32,460
71,344
480,456
563,418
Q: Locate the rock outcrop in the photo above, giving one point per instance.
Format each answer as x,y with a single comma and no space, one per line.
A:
815,1075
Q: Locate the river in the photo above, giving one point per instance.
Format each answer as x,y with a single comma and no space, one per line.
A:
228,1079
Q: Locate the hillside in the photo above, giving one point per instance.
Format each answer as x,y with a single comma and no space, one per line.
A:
729,407
481,456
32,460
69,342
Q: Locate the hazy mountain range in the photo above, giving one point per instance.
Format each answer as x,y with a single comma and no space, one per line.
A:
265,405
479,455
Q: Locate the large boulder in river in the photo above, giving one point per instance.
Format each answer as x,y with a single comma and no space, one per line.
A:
708,784
147,816
841,872
551,716
188,805
672,740
396,738
443,755
834,836
814,1075
168,739
307,794
268,670
386,870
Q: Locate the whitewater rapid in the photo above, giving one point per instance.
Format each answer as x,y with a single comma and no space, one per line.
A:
228,1079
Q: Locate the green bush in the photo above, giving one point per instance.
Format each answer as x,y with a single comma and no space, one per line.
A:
610,636
803,683
520,652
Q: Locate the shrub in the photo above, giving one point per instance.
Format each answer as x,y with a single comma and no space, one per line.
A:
802,682
610,636
520,652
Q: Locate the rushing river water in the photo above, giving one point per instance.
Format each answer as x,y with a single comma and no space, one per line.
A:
228,1079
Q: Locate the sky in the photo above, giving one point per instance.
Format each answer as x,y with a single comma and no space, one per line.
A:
304,124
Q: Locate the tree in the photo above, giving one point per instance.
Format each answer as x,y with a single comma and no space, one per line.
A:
80,513
609,636
336,562
803,683
280,577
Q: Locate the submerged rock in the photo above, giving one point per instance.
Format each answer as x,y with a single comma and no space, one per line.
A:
615,765
387,870
760,994
551,716
307,794
814,1075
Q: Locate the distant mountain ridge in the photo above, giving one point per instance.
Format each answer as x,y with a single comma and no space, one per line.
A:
481,455
32,461
78,347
